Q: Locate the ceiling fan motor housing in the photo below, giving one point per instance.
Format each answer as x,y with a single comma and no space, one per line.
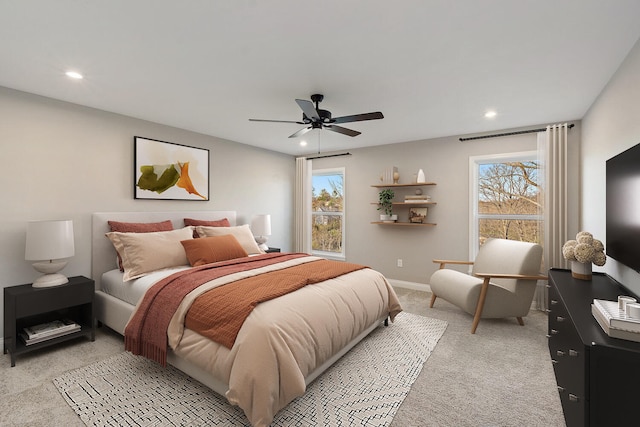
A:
325,116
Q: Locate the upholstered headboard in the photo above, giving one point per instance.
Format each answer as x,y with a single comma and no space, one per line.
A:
103,255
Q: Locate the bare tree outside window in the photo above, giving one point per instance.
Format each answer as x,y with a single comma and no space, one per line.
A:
327,210
508,199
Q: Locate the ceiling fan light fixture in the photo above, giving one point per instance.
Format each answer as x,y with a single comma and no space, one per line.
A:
490,114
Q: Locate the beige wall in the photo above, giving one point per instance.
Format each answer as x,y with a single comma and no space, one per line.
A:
64,161
444,161
611,125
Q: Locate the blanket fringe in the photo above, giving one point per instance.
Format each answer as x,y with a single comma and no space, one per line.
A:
146,349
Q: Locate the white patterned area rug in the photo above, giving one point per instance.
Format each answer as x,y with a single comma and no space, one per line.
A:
364,388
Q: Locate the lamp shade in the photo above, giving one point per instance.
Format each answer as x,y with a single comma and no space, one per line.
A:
49,240
261,228
261,225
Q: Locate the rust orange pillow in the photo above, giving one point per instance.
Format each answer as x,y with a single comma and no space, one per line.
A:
140,227
212,249
224,222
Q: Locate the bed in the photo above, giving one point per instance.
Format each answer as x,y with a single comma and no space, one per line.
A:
284,343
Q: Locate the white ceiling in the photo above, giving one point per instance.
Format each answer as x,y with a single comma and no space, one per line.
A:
431,67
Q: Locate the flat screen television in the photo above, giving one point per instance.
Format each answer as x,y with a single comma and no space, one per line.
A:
623,208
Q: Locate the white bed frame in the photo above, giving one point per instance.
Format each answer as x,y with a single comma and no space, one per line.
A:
115,313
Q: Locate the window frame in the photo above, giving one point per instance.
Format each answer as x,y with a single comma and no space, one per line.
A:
474,216
341,256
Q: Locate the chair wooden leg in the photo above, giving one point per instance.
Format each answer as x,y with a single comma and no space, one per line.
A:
433,299
480,306
520,321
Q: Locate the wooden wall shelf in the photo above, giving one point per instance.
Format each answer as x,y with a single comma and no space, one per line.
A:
405,224
406,204
419,184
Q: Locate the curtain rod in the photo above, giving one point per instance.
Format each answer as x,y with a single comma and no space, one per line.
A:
508,133
329,155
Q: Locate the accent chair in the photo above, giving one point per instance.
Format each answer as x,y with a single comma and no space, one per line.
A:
502,282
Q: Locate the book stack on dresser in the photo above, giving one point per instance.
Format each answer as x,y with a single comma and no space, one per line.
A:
619,319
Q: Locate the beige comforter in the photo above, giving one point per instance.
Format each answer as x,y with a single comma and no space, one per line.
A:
285,339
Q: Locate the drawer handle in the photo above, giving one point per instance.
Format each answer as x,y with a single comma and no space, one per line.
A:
560,319
554,361
560,353
573,353
553,302
554,332
560,389
548,286
573,397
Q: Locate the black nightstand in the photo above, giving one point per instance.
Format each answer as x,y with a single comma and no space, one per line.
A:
25,306
272,250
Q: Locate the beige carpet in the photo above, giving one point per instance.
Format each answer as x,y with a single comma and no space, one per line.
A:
501,376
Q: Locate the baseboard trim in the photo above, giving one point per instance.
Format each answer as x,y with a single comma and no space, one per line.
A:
410,285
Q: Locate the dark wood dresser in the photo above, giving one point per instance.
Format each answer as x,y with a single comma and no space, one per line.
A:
598,376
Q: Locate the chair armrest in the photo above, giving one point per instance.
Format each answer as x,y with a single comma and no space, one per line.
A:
442,262
511,276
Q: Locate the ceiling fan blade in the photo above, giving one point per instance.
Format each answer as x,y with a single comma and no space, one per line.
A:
308,109
276,121
344,131
301,132
358,117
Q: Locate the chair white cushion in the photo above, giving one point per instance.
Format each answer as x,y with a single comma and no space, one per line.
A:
505,297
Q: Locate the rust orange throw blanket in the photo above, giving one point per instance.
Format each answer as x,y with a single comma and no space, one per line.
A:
239,298
146,332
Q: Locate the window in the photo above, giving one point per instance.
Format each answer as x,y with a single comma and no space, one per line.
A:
327,213
507,198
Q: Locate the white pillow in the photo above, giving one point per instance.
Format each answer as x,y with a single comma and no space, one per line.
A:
242,233
143,253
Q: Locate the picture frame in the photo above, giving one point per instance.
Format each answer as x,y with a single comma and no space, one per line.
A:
417,215
169,171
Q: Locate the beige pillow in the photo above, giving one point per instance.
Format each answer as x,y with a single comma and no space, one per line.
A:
143,253
241,232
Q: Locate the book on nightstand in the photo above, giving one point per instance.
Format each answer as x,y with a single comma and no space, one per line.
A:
49,330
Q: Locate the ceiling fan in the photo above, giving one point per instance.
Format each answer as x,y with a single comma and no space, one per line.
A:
316,118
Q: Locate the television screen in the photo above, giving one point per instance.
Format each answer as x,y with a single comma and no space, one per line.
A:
623,208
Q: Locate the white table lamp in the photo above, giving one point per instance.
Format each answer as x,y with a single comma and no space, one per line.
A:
49,244
261,229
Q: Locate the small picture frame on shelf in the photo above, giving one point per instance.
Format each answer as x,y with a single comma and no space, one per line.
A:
417,215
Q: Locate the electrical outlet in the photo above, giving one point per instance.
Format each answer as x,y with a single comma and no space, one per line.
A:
399,262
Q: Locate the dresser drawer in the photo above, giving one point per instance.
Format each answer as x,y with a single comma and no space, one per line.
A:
567,352
574,408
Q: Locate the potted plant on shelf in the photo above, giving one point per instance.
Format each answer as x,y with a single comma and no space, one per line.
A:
385,201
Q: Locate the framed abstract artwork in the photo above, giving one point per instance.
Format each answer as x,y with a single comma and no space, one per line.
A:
168,171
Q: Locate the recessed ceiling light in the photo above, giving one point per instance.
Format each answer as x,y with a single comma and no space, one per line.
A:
490,114
303,143
74,75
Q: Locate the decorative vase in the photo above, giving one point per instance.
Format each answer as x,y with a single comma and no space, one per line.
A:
421,177
581,270
396,177
388,218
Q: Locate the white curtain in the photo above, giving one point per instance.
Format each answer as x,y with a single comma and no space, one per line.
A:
552,151
302,203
